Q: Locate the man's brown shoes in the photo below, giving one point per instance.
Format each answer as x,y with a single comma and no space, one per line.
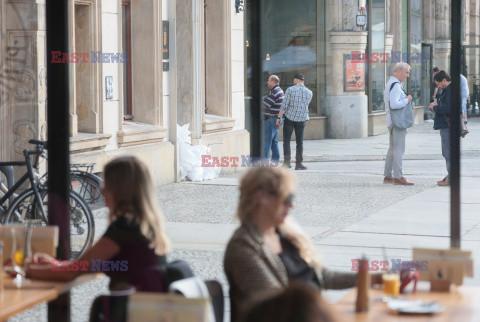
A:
388,180
402,181
443,183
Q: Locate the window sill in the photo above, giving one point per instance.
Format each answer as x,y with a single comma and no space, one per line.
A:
215,123
139,133
83,142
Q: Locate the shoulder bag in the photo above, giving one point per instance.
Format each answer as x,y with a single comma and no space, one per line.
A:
402,118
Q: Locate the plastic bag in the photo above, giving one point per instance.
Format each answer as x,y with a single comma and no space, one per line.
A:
191,158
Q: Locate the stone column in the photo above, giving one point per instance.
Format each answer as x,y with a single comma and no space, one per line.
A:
389,41
190,64
347,113
428,21
395,25
23,77
442,46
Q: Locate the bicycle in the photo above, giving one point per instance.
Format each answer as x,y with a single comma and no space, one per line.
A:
30,206
86,184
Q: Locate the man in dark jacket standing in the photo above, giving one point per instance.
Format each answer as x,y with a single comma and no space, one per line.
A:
442,111
272,103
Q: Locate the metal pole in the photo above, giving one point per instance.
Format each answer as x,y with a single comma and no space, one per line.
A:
58,141
256,138
455,107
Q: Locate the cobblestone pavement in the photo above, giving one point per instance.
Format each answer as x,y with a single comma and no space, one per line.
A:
332,194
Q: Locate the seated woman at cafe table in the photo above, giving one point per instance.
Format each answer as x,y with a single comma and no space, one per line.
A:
268,250
135,239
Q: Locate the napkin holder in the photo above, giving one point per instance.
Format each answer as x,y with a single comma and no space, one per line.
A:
445,267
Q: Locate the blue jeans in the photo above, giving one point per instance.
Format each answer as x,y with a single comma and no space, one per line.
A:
270,134
288,129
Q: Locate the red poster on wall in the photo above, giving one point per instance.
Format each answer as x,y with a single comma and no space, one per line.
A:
354,74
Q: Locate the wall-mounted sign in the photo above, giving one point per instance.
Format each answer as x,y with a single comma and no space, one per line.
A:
353,74
109,87
361,20
166,40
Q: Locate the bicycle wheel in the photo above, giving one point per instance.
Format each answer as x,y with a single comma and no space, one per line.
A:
26,210
89,187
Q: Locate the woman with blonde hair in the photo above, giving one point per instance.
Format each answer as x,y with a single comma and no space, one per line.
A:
268,250
133,249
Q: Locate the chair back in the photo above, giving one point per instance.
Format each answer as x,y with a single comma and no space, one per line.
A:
177,270
112,307
216,294
193,287
167,307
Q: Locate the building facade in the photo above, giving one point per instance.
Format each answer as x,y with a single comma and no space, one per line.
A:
347,49
137,68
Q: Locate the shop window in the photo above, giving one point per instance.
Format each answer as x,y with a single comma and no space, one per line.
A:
415,51
290,41
85,105
127,68
217,58
376,62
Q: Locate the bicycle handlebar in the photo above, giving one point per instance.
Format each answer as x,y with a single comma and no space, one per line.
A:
43,144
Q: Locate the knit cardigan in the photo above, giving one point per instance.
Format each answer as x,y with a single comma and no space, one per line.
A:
252,267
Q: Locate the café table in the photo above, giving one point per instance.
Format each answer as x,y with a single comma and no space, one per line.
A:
461,304
14,300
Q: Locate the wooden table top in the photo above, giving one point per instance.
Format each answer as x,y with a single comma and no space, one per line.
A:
14,300
461,304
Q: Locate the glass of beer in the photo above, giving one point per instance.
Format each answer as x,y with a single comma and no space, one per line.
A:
391,284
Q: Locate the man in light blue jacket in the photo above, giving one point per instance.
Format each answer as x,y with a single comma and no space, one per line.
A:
395,97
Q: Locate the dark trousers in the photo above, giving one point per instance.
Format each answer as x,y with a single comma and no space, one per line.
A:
288,128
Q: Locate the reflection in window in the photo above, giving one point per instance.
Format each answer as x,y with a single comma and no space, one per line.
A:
377,34
416,32
290,43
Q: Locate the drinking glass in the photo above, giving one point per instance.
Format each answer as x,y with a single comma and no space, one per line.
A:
391,284
21,253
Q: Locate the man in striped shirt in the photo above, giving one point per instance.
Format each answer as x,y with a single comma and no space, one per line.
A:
295,107
272,103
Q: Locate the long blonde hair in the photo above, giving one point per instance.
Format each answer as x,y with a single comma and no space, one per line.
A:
130,185
280,182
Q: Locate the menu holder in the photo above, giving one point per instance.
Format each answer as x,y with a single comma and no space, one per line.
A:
444,267
44,239
151,307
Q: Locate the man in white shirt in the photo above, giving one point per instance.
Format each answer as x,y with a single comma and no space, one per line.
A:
395,97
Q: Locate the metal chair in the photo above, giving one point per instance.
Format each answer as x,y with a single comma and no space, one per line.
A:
194,287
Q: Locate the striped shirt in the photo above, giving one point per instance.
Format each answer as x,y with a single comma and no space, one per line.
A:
295,103
273,101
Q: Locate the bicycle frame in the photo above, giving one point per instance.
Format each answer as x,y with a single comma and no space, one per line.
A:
30,176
